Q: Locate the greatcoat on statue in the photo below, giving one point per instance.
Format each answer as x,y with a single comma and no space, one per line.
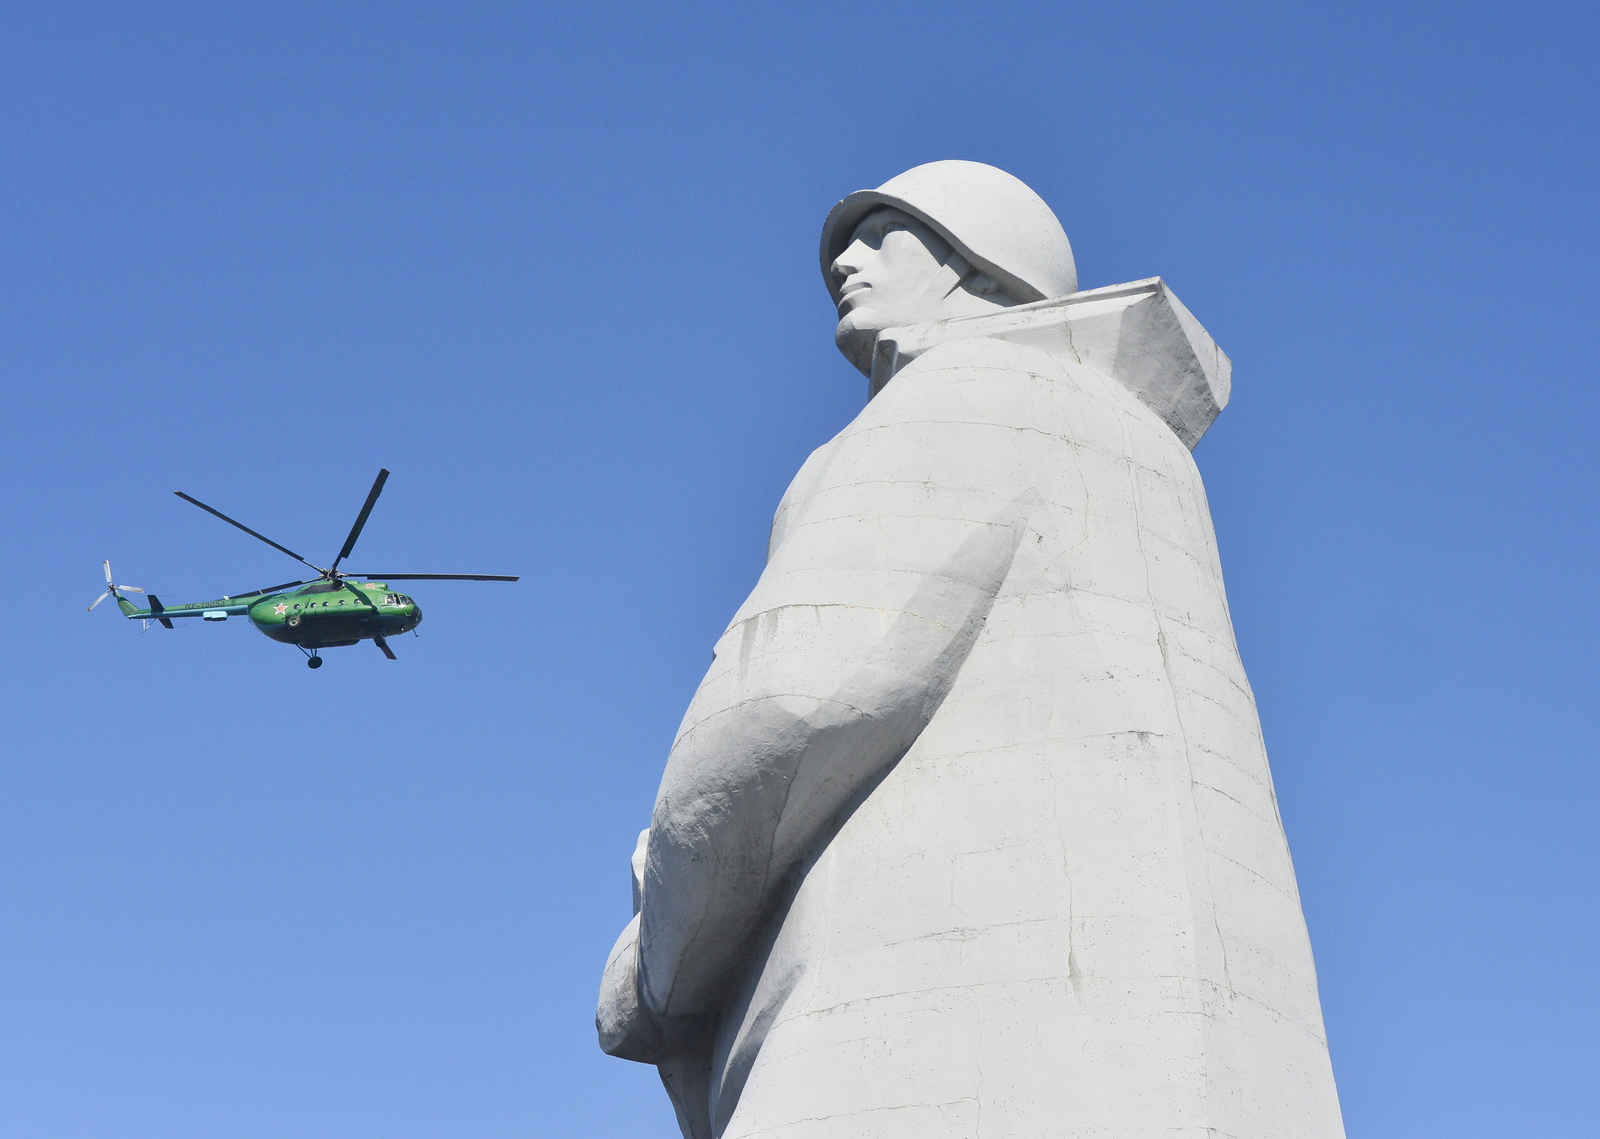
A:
969,830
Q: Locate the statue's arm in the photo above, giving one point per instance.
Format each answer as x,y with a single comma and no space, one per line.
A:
860,623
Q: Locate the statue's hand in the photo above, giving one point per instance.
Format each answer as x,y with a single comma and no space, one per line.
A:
627,1027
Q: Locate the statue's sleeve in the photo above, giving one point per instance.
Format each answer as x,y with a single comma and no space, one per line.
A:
872,599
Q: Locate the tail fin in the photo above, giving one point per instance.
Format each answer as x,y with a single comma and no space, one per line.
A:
156,611
129,609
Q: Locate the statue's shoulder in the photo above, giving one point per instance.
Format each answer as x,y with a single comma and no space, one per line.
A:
981,379
977,381
988,354
800,488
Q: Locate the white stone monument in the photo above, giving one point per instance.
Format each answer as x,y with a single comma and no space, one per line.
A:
968,832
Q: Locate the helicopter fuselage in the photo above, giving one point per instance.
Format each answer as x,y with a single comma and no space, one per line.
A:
323,615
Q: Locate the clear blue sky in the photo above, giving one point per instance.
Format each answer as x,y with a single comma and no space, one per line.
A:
556,268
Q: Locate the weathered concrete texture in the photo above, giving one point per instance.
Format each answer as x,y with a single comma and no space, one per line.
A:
969,830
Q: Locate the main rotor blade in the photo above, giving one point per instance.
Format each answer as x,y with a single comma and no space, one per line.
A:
436,576
269,589
246,529
361,519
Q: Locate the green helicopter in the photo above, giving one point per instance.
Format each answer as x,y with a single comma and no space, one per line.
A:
325,612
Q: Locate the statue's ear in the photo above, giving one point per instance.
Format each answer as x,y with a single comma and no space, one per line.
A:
984,285
975,281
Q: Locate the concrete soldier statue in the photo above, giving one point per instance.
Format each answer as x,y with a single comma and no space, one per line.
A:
969,830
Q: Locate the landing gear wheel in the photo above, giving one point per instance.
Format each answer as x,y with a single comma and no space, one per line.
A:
314,662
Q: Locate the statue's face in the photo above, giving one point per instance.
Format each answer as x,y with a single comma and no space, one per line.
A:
893,272
898,271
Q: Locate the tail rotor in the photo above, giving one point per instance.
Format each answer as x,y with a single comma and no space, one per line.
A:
112,589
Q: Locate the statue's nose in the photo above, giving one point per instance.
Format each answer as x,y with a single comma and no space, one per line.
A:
850,261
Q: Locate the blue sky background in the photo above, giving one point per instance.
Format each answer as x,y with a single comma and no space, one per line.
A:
555,267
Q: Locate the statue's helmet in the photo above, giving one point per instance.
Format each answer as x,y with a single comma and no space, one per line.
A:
992,219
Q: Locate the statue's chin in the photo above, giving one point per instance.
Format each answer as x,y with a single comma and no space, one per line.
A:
856,344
